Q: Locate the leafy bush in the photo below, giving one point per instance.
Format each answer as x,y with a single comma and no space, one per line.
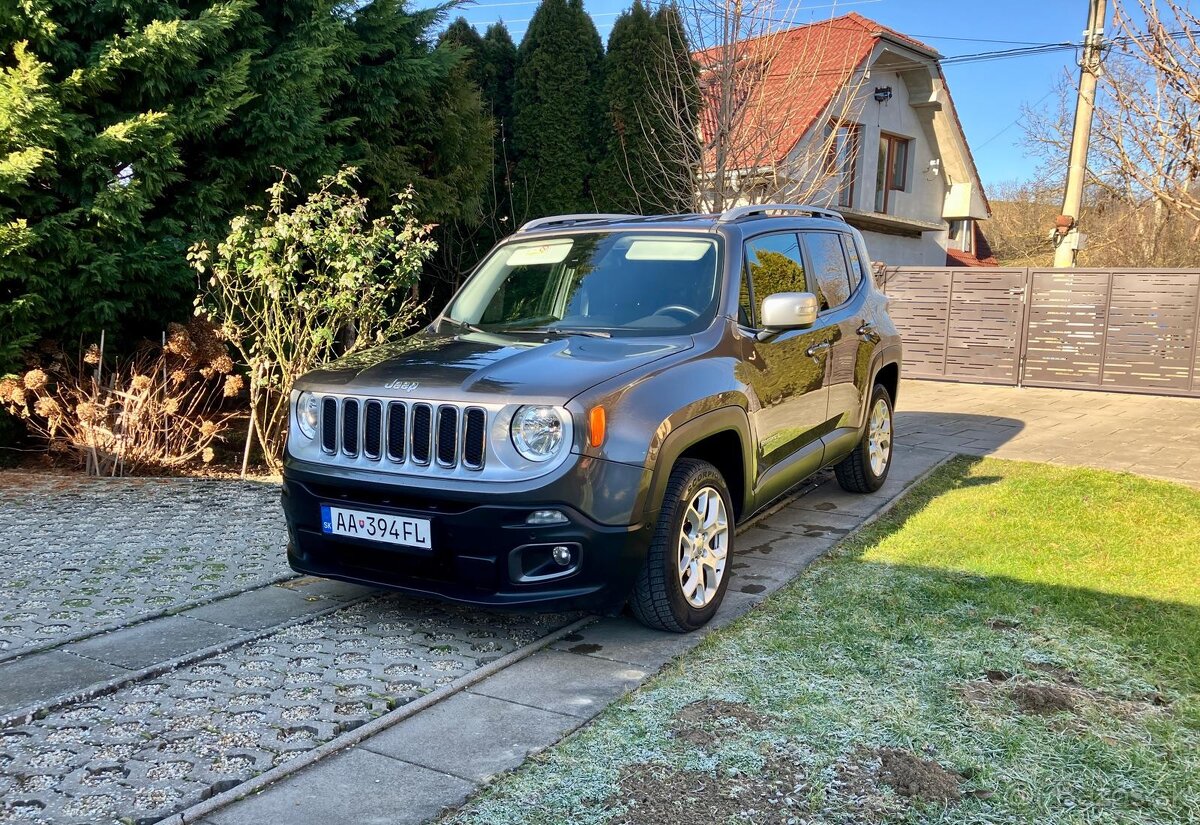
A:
293,286
159,408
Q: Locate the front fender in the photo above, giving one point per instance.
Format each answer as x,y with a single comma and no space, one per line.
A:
680,438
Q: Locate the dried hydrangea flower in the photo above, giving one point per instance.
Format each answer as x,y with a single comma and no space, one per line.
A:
223,364
171,406
207,429
47,408
178,377
233,385
35,379
208,455
92,356
140,383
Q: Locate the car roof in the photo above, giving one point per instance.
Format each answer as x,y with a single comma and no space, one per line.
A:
760,217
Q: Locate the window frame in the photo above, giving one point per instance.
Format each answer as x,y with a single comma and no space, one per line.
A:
806,260
749,282
843,237
891,141
853,134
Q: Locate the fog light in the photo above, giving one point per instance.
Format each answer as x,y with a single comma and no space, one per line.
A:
545,517
561,555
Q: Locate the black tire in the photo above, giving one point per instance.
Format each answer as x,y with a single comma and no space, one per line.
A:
854,472
658,599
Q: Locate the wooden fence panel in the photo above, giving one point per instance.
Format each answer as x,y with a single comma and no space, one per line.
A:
1134,330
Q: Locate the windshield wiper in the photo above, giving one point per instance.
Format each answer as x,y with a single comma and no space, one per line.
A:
591,333
463,326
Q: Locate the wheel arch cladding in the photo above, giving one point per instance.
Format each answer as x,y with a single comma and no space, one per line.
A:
889,376
720,437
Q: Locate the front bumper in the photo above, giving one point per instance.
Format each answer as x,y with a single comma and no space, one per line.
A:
483,552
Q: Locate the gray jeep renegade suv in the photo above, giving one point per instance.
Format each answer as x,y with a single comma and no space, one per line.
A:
594,411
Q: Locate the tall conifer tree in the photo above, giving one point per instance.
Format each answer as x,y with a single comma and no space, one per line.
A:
626,179
558,126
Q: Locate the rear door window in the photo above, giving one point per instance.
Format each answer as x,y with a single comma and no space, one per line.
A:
828,264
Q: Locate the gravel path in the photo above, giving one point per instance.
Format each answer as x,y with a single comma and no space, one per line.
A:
85,555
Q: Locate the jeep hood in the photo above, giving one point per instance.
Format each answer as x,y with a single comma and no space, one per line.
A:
485,367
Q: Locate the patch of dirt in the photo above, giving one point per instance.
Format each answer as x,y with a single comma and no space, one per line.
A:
917,778
1003,624
706,722
653,794
1057,672
1042,698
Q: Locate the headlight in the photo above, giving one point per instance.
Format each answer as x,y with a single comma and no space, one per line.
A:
537,432
308,414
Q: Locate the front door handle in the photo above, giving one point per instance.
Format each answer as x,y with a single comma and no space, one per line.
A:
816,349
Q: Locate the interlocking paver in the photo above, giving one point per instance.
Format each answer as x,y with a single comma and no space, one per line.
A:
155,747
83,555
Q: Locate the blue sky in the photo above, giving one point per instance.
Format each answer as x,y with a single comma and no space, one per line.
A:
988,95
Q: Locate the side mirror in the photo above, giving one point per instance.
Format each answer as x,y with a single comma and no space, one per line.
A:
789,310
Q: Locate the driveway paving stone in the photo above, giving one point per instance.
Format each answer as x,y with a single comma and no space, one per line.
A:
1151,435
160,745
356,787
85,555
472,736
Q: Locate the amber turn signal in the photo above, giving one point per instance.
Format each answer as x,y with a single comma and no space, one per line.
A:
596,424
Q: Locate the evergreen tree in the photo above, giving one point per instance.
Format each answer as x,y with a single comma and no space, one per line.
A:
627,180
130,130
489,66
677,107
417,115
558,126
98,102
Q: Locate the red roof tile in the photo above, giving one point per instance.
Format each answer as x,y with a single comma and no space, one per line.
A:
806,67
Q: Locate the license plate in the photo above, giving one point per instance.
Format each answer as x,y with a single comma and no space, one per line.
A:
409,532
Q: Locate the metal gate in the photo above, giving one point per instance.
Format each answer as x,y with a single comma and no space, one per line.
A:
1134,330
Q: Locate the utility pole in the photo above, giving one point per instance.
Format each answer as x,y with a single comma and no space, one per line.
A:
1067,239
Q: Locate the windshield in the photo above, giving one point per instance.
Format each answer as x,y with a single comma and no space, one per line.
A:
641,283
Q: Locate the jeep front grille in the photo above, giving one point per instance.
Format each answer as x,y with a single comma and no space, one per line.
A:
400,432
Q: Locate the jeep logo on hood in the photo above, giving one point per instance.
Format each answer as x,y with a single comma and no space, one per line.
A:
405,386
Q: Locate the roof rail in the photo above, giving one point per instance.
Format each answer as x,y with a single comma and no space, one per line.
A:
738,212
570,220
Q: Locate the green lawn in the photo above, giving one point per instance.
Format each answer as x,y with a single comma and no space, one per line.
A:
1013,643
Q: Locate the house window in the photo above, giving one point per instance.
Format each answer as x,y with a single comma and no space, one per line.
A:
842,160
962,235
891,172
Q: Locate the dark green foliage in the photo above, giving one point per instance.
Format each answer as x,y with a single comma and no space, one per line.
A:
98,111
559,127
489,63
679,115
417,116
627,180
129,131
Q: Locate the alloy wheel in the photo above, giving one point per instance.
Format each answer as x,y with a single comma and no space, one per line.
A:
703,547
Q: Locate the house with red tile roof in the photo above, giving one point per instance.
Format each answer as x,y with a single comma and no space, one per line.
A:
849,114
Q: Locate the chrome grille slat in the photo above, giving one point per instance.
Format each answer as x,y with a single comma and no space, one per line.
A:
474,438
428,436
372,429
397,434
329,425
422,433
447,435
350,426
